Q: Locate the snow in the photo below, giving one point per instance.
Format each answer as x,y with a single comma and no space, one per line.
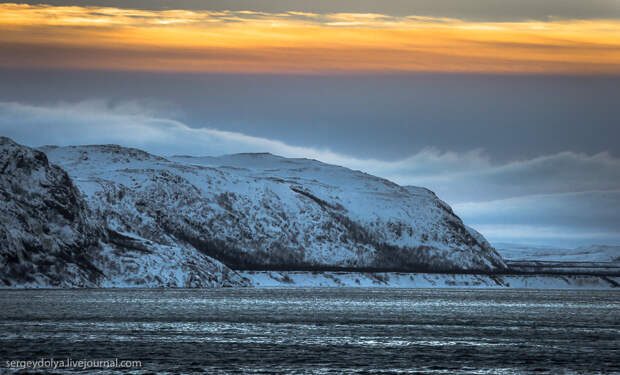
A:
116,217
302,279
592,253
165,266
272,210
51,237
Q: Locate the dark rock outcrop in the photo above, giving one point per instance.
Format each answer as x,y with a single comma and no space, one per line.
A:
50,238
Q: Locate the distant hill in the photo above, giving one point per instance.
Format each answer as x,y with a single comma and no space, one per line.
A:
590,253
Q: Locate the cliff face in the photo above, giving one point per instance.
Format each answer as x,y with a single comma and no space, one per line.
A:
50,238
46,236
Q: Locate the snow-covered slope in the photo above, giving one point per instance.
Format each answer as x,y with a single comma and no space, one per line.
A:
113,216
45,234
592,253
50,238
306,279
264,211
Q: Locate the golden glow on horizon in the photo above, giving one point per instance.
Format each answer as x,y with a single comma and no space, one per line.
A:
296,42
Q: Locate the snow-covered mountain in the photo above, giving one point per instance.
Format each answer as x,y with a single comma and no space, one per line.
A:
261,210
183,215
50,238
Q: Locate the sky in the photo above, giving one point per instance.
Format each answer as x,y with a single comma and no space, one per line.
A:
508,110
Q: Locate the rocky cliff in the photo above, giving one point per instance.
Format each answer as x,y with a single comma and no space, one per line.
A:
49,237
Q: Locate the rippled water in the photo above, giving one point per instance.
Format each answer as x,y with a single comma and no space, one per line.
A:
317,330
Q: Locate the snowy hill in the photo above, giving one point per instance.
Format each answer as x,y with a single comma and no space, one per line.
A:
112,216
593,260
264,211
50,238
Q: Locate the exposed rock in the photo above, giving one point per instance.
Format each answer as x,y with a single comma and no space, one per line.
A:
46,237
50,238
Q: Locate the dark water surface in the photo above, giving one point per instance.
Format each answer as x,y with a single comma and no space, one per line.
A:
317,331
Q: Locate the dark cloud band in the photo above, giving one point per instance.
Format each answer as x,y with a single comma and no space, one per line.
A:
473,10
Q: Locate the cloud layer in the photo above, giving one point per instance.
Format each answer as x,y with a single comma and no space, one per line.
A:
485,10
554,197
179,40
567,219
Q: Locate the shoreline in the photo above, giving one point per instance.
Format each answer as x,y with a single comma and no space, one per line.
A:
301,279
378,279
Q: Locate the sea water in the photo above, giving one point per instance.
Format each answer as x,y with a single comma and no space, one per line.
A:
313,331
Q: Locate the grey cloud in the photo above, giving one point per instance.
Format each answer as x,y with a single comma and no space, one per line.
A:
388,117
128,124
557,219
595,210
494,10
563,172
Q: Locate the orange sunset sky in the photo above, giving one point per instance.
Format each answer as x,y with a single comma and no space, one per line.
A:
77,37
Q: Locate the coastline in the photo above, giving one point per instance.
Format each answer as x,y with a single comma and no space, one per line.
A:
521,275
304,279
